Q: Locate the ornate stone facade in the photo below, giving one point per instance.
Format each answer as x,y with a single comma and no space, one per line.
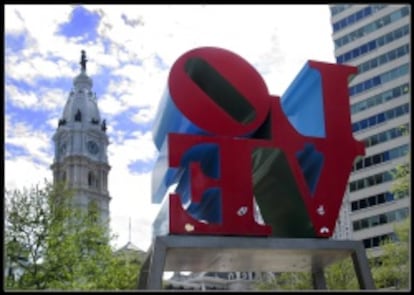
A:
81,143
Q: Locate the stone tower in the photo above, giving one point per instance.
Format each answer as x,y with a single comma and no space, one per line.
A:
80,143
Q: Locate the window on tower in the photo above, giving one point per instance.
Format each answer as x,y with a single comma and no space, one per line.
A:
91,179
78,116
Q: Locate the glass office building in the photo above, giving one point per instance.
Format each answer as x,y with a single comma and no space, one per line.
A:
376,39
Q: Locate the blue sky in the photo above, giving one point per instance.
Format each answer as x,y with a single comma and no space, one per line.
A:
130,50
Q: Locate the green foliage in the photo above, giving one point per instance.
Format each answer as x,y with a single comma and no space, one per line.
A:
25,234
296,281
341,276
393,266
401,184
57,246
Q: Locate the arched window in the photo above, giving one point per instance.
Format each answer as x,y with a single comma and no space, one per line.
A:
91,179
78,116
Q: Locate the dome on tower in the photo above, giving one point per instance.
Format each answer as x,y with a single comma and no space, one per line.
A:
81,105
82,81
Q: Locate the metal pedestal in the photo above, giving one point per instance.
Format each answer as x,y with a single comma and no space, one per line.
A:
225,254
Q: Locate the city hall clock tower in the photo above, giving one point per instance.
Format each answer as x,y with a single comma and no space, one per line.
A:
80,143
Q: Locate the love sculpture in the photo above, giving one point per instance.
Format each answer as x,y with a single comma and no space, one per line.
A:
231,149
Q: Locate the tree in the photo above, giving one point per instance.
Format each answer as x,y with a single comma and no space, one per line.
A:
50,244
401,185
393,267
25,236
341,276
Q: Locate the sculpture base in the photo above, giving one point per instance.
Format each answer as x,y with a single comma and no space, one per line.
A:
223,254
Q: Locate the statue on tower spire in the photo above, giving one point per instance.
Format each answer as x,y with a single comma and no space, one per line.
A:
83,61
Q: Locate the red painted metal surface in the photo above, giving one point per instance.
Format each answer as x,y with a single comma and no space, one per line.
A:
338,147
200,109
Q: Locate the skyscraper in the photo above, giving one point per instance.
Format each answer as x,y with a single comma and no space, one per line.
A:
81,147
376,39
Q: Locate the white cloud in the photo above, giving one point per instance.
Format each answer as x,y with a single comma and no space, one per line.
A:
42,99
131,198
101,58
144,116
41,22
53,121
52,98
30,67
128,71
139,147
24,172
115,136
40,28
34,142
117,87
108,104
19,98
267,36
13,22
143,85
130,191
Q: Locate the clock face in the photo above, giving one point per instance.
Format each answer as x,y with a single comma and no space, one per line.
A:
93,147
